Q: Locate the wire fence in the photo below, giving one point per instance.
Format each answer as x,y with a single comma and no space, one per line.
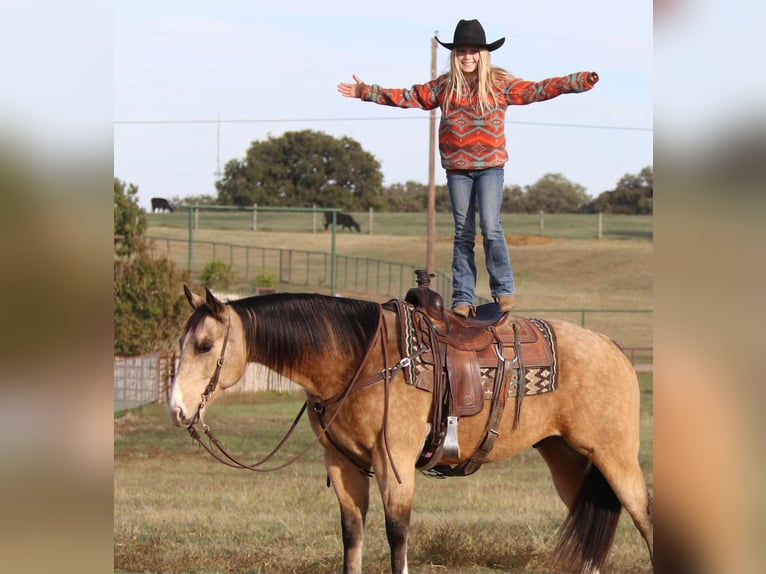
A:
297,269
141,380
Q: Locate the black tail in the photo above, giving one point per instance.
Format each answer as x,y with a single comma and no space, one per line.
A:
588,531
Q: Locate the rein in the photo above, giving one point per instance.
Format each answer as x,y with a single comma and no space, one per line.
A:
386,374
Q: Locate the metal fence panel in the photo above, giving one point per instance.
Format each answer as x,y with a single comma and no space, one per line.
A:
142,379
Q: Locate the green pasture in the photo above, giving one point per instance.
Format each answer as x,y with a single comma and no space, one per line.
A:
178,510
558,225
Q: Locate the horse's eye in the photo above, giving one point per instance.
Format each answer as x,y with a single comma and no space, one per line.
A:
204,347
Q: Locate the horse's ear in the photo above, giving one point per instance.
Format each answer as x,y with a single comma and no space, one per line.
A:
194,299
215,305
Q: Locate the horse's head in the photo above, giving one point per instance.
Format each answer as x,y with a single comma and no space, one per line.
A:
212,356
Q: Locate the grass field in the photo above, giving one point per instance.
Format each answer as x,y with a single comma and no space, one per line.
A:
178,510
567,267
557,225
568,271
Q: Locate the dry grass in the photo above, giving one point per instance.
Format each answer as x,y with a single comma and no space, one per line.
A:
550,273
177,510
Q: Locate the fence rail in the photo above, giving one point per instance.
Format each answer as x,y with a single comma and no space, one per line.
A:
297,268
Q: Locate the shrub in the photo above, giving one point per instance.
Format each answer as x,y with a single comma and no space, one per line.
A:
149,306
266,278
218,274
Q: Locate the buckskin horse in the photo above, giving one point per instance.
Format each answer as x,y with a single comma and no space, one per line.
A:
407,387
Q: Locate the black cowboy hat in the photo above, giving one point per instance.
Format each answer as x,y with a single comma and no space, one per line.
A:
471,33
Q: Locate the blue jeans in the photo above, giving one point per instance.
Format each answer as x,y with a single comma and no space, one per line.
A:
467,191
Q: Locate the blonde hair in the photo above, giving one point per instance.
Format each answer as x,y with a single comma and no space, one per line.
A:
488,77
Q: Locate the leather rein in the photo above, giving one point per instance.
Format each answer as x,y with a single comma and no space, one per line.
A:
386,374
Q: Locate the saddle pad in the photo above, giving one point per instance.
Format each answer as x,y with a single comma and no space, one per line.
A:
540,369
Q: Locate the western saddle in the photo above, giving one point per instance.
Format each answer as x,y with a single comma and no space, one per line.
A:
458,350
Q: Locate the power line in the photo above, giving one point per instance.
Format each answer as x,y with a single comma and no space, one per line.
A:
365,119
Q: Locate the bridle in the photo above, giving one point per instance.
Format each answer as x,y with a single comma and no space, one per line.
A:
198,417
385,374
213,382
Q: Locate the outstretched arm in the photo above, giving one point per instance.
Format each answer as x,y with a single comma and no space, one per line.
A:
351,90
423,96
526,92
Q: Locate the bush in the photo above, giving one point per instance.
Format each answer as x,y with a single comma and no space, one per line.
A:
218,274
266,278
149,305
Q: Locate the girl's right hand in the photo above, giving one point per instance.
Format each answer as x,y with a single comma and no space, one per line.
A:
351,90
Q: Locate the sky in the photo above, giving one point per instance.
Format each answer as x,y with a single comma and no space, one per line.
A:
196,82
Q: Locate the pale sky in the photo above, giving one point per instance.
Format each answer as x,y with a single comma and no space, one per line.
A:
268,68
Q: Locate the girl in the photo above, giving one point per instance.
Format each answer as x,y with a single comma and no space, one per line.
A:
473,97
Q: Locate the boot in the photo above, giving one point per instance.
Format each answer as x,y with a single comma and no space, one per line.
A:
506,303
463,310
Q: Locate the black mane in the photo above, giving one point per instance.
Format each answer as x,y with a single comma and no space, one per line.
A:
285,330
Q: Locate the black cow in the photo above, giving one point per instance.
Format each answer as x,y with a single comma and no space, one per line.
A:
343,219
161,204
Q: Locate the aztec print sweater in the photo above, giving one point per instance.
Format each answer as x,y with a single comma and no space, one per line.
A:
468,140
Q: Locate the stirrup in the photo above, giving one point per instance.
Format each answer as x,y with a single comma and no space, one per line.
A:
451,445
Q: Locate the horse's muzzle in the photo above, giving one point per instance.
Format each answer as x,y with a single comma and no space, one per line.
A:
179,416
176,415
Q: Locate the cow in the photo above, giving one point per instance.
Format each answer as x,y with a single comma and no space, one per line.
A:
344,220
161,204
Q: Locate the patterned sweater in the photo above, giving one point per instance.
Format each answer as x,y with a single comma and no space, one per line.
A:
467,139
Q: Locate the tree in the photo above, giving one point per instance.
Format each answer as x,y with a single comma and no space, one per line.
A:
301,169
129,219
149,306
411,197
553,193
634,194
204,199
513,199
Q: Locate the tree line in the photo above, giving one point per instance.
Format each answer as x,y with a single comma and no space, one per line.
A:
310,168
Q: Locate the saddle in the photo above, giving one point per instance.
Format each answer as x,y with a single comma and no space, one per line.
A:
460,351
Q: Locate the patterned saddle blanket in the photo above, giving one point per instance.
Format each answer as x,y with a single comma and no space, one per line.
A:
469,351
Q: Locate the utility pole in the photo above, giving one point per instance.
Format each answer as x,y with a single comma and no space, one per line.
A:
218,145
431,216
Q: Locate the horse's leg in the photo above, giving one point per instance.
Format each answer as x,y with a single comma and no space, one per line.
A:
397,489
353,491
397,506
622,473
567,467
594,506
627,481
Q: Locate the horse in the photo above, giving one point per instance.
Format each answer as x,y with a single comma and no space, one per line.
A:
346,355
